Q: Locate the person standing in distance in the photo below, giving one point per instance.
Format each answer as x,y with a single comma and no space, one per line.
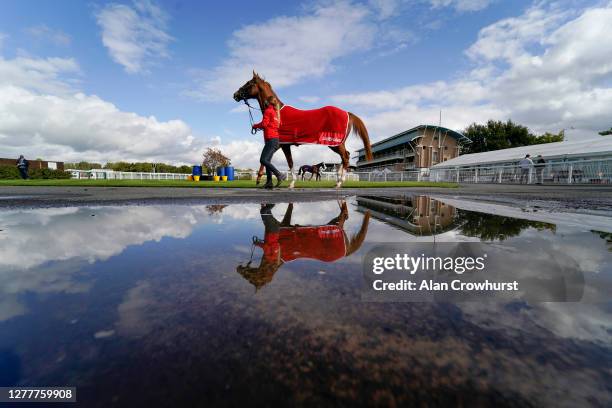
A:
22,165
525,166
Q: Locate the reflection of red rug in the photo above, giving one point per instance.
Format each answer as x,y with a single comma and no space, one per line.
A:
326,126
324,243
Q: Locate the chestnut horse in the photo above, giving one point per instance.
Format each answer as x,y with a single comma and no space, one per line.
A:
257,88
301,242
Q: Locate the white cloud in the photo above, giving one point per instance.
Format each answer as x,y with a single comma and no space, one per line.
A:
54,36
289,49
38,74
58,235
134,35
79,126
549,69
462,5
43,114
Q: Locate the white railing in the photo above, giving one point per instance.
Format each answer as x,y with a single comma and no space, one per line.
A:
124,175
574,172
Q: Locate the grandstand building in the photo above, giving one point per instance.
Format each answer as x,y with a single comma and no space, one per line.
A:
418,148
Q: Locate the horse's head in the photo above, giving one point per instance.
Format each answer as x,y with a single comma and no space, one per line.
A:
322,166
250,90
261,275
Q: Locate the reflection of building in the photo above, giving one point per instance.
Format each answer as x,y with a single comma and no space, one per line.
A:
418,215
419,147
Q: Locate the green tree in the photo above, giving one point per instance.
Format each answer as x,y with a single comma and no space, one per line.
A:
147,167
496,135
491,227
549,138
213,158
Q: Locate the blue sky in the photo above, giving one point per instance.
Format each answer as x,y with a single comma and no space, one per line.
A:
146,80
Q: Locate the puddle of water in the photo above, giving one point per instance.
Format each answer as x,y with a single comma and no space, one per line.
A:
234,304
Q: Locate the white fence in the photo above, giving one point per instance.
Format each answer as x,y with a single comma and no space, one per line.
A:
124,175
575,172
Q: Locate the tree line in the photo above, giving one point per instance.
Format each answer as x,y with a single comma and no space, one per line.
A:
144,167
212,158
496,135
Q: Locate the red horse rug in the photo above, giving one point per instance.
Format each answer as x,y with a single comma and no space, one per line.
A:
325,126
325,243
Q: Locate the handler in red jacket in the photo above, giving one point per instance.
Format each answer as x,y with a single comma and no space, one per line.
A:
270,124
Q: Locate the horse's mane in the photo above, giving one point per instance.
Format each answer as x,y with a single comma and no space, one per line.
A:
267,84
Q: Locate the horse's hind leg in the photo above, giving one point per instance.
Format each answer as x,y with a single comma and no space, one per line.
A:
345,156
259,174
287,150
286,222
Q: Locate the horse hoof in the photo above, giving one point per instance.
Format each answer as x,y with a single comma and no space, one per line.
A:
338,185
292,185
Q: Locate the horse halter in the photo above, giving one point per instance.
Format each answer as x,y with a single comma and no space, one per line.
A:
244,96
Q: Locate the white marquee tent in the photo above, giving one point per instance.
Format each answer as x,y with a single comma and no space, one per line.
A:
587,149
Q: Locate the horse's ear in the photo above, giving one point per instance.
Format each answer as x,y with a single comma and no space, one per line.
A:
255,74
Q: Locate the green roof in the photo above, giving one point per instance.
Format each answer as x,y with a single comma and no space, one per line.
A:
408,136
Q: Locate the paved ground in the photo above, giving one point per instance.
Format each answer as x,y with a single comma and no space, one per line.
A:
553,197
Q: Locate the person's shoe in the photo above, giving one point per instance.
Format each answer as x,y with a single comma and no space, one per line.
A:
268,186
280,179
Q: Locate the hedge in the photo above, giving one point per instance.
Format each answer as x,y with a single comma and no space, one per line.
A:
11,172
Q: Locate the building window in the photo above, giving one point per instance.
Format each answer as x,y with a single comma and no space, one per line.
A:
435,157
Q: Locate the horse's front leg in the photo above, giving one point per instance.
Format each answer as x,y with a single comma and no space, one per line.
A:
287,151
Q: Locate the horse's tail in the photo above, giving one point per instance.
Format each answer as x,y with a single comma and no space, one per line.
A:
357,240
359,127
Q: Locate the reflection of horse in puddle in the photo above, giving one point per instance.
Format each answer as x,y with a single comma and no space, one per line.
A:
284,242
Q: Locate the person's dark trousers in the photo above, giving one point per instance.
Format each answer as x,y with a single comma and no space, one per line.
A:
539,176
270,223
268,151
23,172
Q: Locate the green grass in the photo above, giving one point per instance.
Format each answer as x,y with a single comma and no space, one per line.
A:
211,184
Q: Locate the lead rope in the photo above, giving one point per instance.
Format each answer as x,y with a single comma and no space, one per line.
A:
253,131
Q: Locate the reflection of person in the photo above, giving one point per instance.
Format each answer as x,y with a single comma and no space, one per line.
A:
271,260
270,244
22,165
525,166
539,168
270,124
